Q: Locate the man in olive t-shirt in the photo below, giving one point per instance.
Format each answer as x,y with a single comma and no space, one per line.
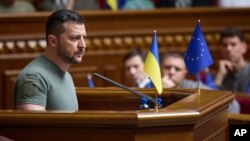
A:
45,83
47,86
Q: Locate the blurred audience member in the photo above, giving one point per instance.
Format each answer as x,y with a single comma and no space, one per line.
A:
174,72
233,73
164,3
11,6
134,62
183,3
200,3
51,5
138,4
233,3
86,5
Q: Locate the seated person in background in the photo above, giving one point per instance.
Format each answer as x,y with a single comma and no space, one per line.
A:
45,83
164,3
233,3
11,6
233,73
138,5
133,63
51,5
174,72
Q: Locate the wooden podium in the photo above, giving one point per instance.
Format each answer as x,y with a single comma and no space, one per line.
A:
108,114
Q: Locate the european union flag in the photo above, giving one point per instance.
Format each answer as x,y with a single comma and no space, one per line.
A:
197,56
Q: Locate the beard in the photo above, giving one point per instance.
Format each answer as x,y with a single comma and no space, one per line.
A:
70,58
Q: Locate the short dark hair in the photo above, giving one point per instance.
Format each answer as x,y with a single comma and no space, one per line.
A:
174,54
134,52
57,18
232,32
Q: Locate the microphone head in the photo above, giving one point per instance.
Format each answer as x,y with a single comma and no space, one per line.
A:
159,100
143,100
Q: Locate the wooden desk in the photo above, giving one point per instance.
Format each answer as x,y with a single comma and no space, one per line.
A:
193,118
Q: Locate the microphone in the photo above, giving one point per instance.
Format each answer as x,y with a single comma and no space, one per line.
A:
90,81
129,89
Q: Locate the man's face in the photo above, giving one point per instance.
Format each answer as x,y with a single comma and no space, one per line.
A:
134,69
233,49
174,68
71,43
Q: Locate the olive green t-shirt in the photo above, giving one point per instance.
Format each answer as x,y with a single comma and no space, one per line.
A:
43,83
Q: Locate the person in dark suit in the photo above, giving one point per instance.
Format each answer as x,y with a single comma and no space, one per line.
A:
134,62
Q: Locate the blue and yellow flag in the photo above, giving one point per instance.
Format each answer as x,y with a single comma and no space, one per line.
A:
115,5
112,4
152,67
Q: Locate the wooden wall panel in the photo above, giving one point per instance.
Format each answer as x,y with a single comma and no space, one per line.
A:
106,21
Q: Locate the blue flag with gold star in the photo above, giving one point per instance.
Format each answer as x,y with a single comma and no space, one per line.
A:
197,56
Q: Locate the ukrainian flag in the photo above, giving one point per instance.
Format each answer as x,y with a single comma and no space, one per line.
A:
152,67
112,4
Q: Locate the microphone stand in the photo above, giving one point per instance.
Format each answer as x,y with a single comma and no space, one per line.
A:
129,89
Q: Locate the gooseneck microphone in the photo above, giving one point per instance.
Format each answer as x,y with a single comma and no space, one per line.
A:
128,89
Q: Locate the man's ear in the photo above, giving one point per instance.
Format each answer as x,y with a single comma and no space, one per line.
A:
244,46
52,41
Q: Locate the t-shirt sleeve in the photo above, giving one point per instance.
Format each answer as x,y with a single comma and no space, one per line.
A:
30,89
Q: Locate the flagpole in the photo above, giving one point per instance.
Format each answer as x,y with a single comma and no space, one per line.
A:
152,60
198,75
198,79
156,107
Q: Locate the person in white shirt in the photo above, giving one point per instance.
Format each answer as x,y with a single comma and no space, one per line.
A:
233,3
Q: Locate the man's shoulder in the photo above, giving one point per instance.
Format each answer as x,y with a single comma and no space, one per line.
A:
35,69
185,83
248,65
41,63
192,84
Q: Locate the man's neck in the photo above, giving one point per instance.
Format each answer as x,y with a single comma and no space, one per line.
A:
239,64
62,65
143,82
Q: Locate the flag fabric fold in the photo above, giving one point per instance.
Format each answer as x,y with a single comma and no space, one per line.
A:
197,56
151,66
